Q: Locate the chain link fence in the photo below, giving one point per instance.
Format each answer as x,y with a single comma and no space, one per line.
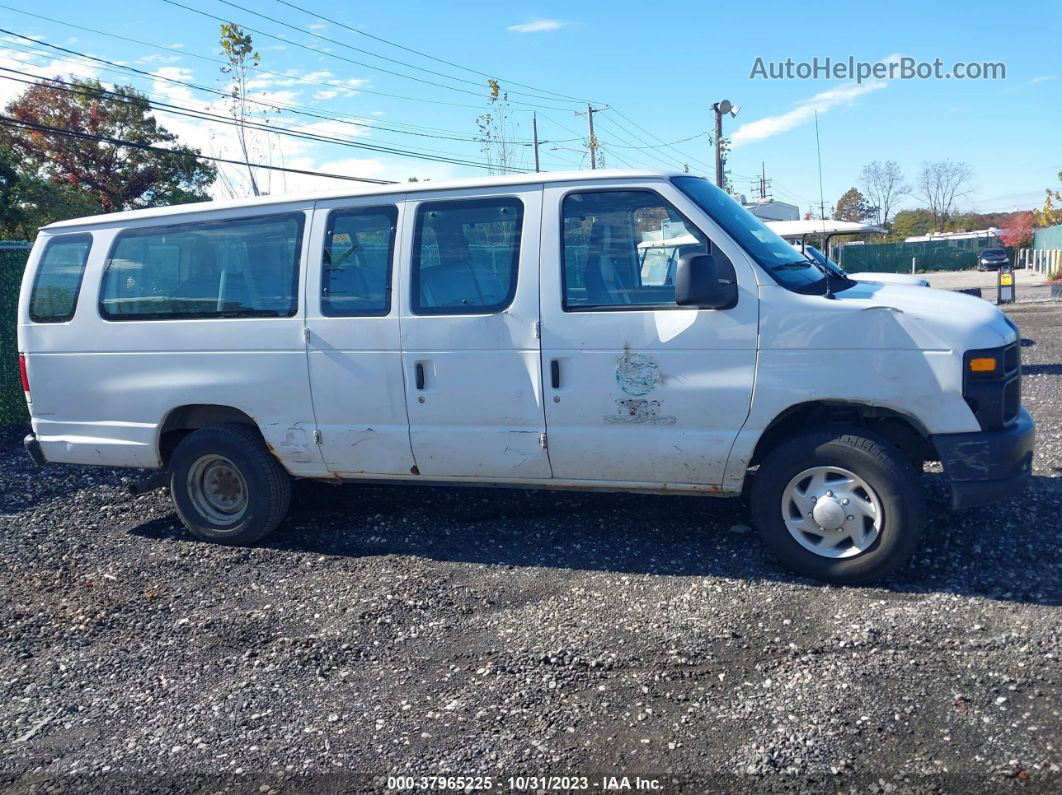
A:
13,256
933,255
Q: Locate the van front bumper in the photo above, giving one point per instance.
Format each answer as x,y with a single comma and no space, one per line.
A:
33,447
987,466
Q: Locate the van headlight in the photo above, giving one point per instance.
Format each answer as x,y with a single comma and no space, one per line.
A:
991,385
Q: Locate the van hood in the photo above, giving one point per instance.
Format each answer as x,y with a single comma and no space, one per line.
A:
938,319
889,278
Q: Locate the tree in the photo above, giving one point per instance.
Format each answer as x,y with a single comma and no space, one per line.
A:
910,223
242,57
28,202
884,184
1019,231
940,184
494,135
852,206
111,176
1050,215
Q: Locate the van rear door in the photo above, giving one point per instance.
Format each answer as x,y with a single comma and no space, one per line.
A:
352,290
470,349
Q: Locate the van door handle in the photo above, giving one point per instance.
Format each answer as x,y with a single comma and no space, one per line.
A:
419,372
554,373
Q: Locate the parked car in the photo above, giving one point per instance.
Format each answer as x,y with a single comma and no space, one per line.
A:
881,278
505,331
992,259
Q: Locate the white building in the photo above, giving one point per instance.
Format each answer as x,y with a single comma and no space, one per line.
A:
773,210
991,232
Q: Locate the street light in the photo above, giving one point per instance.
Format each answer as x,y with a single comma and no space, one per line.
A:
721,108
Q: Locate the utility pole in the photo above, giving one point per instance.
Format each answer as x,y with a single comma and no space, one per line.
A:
763,187
718,146
590,111
534,138
719,108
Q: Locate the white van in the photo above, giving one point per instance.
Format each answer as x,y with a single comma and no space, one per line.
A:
502,331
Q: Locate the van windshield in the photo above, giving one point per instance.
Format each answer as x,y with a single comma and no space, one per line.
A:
773,254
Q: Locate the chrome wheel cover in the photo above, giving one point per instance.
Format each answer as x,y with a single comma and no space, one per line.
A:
832,512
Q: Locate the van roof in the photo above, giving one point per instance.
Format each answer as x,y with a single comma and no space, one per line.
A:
363,190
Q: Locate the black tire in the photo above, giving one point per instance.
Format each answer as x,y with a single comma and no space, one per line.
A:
263,483
876,461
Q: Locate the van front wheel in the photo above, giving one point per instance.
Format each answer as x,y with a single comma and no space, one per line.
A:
840,505
226,485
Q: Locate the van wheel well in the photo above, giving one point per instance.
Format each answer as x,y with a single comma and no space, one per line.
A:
184,419
903,431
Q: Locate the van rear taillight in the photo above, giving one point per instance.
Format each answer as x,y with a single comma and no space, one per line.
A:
22,372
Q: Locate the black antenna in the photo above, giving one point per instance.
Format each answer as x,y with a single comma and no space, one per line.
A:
822,207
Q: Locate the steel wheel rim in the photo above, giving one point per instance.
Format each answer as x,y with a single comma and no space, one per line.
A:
832,512
217,489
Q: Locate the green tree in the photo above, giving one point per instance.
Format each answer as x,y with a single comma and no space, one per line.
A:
112,176
852,206
28,202
909,223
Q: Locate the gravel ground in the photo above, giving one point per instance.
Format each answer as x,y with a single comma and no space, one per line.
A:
1028,285
427,631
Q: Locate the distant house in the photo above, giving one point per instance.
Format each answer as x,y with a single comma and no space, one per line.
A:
772,210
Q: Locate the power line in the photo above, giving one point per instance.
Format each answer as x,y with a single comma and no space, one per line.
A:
427,55
262,127
662,143
269,105
8,121
658,146
340,57
254,69
646,146
651,135
329,39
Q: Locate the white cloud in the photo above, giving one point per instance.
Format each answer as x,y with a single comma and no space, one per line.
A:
39,64
317,27
803,112
1041,79
158,58
537,26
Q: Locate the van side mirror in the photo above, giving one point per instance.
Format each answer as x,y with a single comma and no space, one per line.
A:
705,281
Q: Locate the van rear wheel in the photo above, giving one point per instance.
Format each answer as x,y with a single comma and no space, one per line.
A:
227,487
839,504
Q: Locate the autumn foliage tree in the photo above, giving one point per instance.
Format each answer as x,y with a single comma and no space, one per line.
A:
852,206
1019,231
114,176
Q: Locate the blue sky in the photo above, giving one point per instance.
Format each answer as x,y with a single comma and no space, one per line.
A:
657,67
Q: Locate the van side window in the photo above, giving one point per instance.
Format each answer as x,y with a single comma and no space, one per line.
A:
621,248
466,255
244,267
356,266
58,280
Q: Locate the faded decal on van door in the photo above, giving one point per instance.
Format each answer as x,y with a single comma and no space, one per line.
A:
639,411
637,374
